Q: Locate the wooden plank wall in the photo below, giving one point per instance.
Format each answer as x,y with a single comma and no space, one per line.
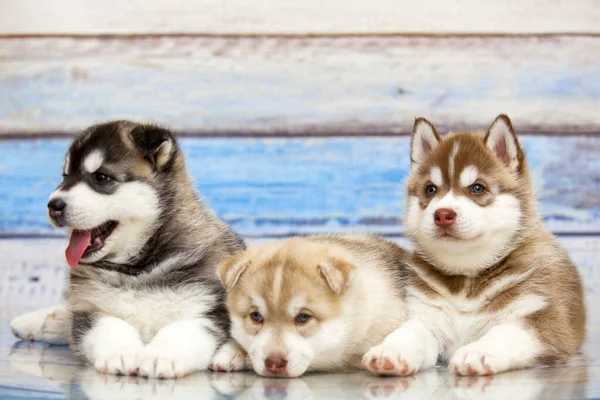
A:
295,115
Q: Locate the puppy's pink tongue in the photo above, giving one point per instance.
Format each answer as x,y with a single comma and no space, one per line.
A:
80,240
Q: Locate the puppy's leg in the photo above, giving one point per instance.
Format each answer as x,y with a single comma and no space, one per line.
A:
410,348
230,357
178,349
506,346
110,344
50,325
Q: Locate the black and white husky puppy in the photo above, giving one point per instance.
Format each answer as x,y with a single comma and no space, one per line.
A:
143,296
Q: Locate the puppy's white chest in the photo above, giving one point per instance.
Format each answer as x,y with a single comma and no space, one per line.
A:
454,318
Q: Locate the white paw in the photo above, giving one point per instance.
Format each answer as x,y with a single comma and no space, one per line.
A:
48,325
230,357
166,362
117,361
390,358
470,360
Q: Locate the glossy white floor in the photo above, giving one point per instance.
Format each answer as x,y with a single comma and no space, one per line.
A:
38,371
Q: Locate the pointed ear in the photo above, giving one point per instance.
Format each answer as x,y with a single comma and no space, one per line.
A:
503,143
229,271
337,273
424,139
157,145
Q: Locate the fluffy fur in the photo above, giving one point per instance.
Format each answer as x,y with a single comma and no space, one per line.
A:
145,299
312,304
491,289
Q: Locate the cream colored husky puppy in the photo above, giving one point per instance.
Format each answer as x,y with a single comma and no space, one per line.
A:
316,303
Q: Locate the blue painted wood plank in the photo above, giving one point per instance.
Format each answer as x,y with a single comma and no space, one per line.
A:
285,185
327,86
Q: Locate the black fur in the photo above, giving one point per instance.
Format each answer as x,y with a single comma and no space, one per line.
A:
172,233
82,322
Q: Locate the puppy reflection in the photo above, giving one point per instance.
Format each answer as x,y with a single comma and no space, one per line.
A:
567,382
60,369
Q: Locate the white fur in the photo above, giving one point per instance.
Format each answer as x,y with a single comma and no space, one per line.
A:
455,327
229,357
254,345
505,346
134,205
468,176
67,165
277,279
501,131
151,310
486,232
451,159
178,349
164,153
328,344
410,348
318,351
295,305
260,303
112,345
423,136
435,176
93,161
47,325
437,327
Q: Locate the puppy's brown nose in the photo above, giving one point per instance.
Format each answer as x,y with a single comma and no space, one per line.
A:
56,207
444,217
276,364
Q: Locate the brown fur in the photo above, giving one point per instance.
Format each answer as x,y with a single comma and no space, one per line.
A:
331,272
535,258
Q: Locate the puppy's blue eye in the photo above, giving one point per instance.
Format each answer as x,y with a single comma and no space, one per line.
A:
431,190
477,189
256,317
302,318
102,178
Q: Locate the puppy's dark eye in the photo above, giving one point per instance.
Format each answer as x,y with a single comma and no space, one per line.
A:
477,189
256,317
431,190
101,178
302,319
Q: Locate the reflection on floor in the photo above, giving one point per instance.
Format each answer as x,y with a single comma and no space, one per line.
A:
37,371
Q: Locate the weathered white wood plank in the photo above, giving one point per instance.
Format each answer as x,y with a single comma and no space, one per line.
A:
300,86
298,17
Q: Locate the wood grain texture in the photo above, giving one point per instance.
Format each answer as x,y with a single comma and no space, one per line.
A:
300,86
265,187
240,17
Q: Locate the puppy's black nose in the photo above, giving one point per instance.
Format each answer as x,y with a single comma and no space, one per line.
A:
56,206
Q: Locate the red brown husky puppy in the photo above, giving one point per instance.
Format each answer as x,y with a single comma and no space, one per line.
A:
492,289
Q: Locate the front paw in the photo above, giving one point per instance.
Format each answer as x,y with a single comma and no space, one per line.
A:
472,361
47,325
166,362
118,361
230,357
393,359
